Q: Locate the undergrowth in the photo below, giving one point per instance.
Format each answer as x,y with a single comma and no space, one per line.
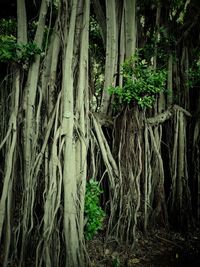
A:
94,214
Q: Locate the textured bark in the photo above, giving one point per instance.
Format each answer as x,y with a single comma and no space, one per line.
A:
54,151
69,174
130,27
82,111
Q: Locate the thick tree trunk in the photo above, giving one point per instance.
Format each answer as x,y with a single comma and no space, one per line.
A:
31,135
74,128
111,53
68,127
130,27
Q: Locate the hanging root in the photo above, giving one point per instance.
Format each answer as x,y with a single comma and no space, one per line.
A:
128,129
124,174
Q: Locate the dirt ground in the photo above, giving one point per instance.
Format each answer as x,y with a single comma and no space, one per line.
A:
159,248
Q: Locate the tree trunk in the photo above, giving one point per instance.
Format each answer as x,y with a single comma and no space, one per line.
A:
111,53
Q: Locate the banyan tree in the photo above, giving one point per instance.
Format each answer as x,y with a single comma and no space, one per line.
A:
103,90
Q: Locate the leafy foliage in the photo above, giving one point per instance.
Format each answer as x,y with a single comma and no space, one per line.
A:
8,27
11,51
27,51
93,213
178,10
194,72
7,48
141,83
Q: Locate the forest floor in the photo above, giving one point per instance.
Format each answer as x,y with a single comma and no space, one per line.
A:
159,248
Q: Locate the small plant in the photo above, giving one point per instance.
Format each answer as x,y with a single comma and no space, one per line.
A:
94,214
116,262
141,83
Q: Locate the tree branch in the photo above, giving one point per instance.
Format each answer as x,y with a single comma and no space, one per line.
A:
166,115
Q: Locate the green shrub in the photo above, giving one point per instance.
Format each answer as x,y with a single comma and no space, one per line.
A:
94,214
11,51
141,83
7,48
